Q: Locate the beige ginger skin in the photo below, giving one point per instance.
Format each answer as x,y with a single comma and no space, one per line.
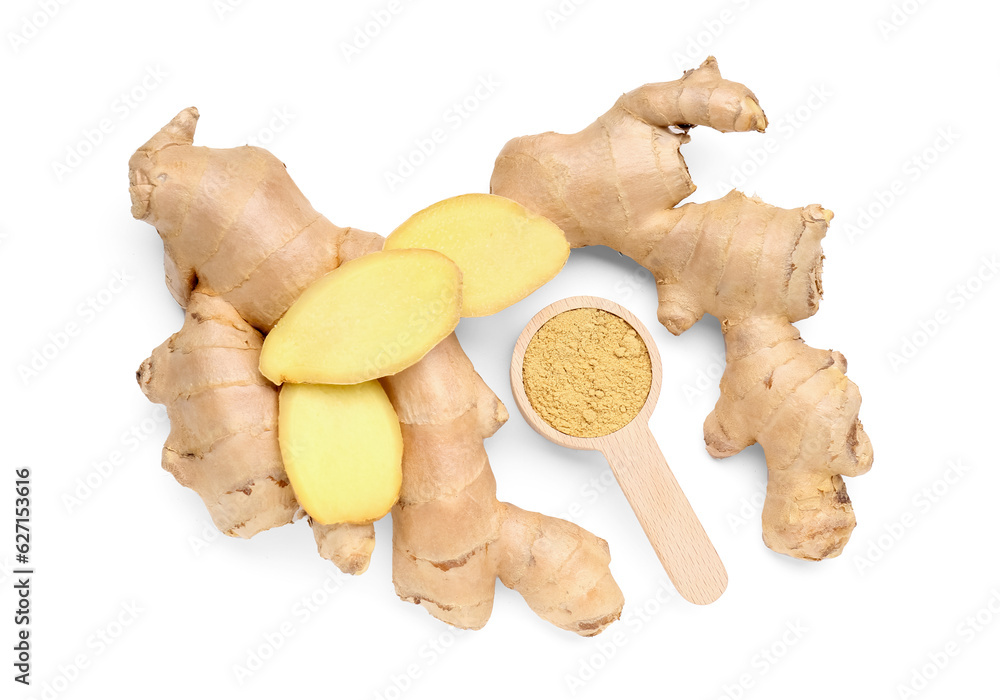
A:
241,243
755,267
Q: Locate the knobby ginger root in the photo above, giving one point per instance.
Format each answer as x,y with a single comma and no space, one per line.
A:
223,439
234,224
342,450
754,267
452,538
348,545
239,235
366,319
505,251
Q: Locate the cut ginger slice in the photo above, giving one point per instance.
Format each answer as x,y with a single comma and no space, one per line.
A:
342,449
371,317
505,251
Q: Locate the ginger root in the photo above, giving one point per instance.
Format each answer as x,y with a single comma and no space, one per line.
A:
241,240
347,545
505,252
223,441
755,267
452,538
366,319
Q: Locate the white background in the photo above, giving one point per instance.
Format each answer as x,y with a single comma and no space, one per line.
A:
887,78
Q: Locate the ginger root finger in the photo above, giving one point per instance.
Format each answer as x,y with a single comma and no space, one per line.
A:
618,174
347,545
234,222
222,442
534,554
702,97
798,404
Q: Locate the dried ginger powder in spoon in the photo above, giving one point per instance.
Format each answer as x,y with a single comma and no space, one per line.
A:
587,372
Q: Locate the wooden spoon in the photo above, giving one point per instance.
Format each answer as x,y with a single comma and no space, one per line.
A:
665,514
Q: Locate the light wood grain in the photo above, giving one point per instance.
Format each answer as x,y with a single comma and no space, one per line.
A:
666,516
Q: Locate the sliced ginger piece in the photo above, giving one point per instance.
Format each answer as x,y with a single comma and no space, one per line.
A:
505,252
342,448
371,317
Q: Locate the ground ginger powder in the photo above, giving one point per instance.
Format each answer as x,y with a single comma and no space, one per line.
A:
587,372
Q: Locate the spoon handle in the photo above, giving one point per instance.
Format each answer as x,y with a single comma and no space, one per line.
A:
665,514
